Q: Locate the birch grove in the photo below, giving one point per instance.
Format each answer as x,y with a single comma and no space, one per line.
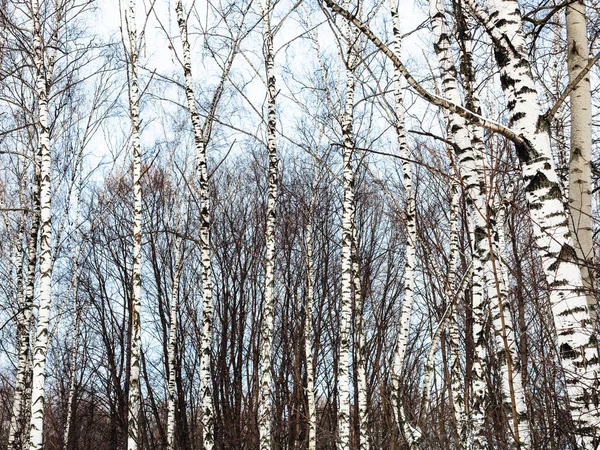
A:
296,225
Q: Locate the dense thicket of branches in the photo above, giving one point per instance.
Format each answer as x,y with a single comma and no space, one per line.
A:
363,224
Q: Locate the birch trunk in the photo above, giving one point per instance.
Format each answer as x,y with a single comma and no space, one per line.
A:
411,434
16,431
457,394
172,390
75,344
308,312
76,319
360,350
200,138
45,293
348,216
429,368
266,330
23,335
580,176
479,387
133,438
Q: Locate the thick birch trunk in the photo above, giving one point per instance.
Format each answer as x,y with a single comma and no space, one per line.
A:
411,434
41,341
266,330
580,176
205,253
133,438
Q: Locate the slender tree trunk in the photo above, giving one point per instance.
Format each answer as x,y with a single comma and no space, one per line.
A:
134,400
172,361
479,387
429,372
580,176
457,393
308,312
45,293
266,329
411,434
360,351
75,344
23,336
348,217
200,138
76,317
499,251
16,430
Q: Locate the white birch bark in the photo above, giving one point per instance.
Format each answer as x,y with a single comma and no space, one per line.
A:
74,351
360,350
456,391
45,295
478,386
134,398
266,330
521,409
348,216
23,335
172,390
308,313
411,434
205,253
16,428
486,229
580,176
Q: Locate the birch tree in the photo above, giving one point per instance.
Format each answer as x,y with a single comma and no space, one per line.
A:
172,343
580,198
348,218
16,427
410,434
266,329
134,395
77,250
42,74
